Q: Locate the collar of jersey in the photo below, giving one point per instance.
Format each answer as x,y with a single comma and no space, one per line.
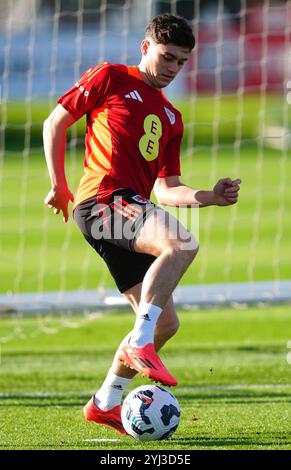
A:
134,71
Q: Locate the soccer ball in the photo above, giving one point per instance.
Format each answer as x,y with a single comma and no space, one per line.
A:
150,413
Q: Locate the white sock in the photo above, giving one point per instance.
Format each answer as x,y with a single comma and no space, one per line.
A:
110,393
145,323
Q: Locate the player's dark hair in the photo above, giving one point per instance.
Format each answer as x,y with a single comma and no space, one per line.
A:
167,28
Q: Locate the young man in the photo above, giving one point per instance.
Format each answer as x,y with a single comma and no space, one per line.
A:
133,141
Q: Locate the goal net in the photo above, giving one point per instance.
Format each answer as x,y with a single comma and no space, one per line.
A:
234,95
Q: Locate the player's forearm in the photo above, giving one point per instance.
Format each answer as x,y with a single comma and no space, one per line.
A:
54,139
184,195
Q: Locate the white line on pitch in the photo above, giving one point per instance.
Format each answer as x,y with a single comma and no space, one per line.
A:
101,440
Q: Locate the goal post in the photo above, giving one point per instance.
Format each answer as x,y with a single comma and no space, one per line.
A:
234,96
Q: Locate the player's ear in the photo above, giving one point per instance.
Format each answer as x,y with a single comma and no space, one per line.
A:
144,46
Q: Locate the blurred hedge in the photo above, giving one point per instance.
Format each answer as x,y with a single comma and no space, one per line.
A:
207,120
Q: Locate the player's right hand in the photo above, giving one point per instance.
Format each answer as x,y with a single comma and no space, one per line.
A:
58,199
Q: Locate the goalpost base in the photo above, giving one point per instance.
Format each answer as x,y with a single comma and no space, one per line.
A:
238,295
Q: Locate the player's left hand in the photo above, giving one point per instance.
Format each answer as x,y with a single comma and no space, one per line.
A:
226,191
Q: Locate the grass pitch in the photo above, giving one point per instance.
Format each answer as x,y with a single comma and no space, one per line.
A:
234,380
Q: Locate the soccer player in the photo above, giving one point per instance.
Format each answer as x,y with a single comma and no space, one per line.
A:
133,141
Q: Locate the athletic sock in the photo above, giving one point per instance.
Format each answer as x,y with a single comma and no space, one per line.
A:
144,327
110,393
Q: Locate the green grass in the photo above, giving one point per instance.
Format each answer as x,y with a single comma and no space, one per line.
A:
231,365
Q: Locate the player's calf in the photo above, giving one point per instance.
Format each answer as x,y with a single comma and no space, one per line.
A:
164,333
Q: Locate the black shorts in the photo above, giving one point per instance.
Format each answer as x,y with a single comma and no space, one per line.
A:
111,230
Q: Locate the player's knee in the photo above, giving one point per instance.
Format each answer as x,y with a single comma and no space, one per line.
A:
193,249
190,250
184,251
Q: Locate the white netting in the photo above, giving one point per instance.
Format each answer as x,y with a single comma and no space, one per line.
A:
233,96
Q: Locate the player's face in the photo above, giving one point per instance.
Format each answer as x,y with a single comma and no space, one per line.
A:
162,62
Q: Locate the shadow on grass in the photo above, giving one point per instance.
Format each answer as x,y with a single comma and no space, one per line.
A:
232,441
274,440
234,396
189,399
43,401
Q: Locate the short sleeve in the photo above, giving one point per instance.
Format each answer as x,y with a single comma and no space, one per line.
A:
88,92
170,165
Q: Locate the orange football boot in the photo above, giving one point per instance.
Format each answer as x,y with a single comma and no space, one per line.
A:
109,418
146,361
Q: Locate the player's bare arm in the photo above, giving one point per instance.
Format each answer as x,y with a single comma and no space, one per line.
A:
171,191
54,138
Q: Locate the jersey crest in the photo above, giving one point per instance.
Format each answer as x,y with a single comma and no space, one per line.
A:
171,115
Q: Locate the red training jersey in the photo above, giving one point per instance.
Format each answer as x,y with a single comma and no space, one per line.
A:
133,132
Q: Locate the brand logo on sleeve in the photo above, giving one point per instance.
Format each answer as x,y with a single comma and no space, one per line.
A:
134,95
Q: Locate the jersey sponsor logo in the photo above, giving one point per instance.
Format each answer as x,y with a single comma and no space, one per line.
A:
149,142
134,95
171,115
141,199
82,89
